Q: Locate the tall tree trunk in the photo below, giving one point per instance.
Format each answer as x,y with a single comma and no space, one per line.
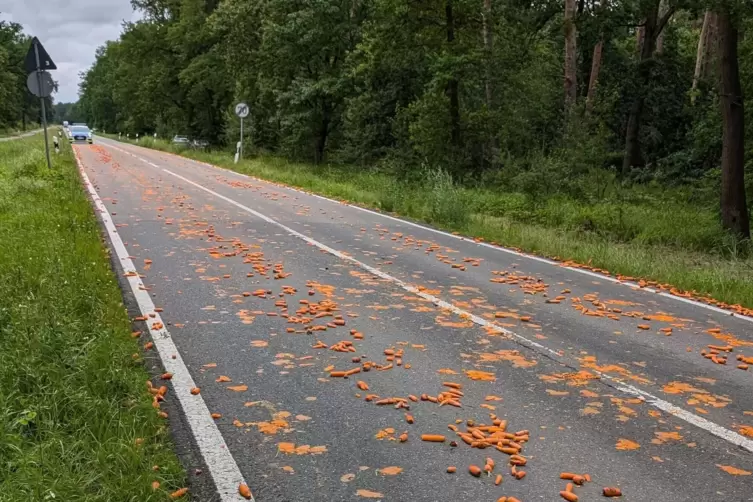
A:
490,148
571,62
321,138
652,27
593,81
452,85
701,52
705,52
734,208
488,46
640,34
660,36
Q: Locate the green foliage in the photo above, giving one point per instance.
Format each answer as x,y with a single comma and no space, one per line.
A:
18,108
370,83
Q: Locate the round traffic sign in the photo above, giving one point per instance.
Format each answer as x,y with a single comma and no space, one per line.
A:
45,79
241,109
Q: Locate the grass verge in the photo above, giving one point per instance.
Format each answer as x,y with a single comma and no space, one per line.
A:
72,399
672,237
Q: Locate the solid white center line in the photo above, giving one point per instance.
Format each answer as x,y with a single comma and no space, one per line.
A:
629,284
697,420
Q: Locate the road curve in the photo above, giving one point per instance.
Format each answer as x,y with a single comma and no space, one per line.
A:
267,292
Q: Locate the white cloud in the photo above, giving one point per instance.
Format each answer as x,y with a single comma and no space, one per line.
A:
71,31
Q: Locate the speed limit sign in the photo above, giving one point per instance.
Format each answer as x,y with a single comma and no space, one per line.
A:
241,109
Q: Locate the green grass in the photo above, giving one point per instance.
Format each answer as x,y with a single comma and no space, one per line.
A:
73,401
671,236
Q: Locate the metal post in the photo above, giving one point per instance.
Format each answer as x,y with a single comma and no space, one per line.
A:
240,152
44,111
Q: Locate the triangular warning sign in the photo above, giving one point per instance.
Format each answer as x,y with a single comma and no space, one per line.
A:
45,61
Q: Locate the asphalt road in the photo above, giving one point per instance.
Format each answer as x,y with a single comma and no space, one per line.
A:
19,136
589,367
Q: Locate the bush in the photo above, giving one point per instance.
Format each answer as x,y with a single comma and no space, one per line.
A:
445,204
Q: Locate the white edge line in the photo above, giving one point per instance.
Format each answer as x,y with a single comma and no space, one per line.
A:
666,406
629,284
220,462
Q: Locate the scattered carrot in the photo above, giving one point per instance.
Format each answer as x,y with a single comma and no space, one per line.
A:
403,437
518,460
433,438
195,391
569,496
567,475
178,493
244,491
517,474
579,480
362,385
474,470
452,469
612,491
409,418
498,480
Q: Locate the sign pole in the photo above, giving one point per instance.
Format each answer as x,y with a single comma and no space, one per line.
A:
44,111
241,110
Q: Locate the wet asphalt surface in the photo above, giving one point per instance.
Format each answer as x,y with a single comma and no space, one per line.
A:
248,302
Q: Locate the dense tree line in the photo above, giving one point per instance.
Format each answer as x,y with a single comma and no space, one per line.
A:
67,112
18,106
535,93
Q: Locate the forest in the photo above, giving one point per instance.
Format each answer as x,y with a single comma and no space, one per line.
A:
546,97
18,107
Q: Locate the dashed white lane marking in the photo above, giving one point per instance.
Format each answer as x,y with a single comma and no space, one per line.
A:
630,284
666,406
221,464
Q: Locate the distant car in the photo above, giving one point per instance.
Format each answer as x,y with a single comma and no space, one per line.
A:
199,143
80,133
181,140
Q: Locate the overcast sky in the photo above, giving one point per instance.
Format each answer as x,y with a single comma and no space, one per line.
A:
70,31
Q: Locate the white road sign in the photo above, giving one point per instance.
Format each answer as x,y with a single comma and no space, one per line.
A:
241,109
